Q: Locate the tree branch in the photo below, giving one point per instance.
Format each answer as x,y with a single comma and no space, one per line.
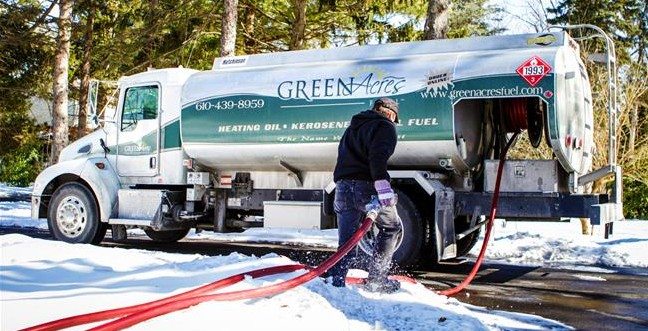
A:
43,16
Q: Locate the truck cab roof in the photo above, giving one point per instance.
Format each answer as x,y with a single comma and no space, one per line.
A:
166,77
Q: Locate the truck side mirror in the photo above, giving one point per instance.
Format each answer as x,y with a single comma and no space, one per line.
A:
108,115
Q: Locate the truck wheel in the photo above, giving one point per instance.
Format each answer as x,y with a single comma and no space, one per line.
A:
411,239
73,215
166,236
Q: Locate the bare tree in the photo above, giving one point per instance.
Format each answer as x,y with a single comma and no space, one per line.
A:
82,127
533,14
436,22
299,25
61,64
228,31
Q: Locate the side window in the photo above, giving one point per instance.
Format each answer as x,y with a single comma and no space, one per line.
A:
140,103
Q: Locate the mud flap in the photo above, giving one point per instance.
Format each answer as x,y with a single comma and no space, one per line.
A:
118,232
446,244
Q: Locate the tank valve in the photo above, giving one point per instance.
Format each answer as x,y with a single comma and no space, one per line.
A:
446,164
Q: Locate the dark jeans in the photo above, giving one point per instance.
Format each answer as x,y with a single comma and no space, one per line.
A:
351,197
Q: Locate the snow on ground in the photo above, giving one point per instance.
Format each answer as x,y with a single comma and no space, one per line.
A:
555,244
18,213
298,237
14,212
561,245
6,190
74,279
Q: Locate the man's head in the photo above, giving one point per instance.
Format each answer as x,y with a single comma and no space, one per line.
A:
388,108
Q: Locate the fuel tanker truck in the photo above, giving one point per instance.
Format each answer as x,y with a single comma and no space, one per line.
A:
253,143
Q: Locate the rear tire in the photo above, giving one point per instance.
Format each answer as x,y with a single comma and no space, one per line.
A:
73,215
412,238
166,236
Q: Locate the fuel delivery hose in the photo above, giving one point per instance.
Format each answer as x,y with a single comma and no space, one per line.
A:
260,292
489,225
138,313
119,312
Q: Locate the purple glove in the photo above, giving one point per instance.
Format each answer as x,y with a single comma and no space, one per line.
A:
385,193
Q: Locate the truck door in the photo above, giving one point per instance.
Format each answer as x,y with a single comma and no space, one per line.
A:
138,139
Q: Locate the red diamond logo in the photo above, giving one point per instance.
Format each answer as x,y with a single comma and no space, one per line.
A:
533,70
548,94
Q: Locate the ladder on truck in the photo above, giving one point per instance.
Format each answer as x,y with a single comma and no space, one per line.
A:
613,210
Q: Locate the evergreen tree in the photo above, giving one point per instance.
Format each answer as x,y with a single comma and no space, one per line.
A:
624,20
25,53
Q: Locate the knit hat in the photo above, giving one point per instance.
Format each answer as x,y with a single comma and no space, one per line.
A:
388,103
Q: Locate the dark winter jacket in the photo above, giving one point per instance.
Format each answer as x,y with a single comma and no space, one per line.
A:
365,148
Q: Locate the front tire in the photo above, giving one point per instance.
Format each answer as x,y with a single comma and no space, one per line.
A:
411,239
73,215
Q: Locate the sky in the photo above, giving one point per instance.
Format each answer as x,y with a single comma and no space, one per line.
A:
519,13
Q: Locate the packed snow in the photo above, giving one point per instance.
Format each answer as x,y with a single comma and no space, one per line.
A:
18,214
15,210
561,245
555,244
8,191
75,279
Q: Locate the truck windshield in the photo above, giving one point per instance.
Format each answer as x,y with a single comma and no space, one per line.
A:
140,103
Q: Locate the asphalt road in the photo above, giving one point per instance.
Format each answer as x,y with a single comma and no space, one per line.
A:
586,300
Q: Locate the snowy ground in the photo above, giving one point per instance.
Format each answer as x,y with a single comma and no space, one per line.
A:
555,244
74,279
6,190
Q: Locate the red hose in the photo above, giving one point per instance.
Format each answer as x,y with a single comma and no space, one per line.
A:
260,292
140,312
119,312
489,225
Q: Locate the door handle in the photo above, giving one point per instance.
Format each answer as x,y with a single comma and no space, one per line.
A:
152,162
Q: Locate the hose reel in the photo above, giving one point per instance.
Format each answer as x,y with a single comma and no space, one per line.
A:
524,114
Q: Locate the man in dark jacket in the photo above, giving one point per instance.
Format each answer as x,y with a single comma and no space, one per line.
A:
360,172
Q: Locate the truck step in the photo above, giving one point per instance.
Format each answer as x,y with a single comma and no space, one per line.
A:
129,221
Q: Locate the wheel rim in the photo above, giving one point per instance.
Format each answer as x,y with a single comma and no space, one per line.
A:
71,216
368,241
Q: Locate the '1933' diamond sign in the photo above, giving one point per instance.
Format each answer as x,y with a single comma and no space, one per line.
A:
533,70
